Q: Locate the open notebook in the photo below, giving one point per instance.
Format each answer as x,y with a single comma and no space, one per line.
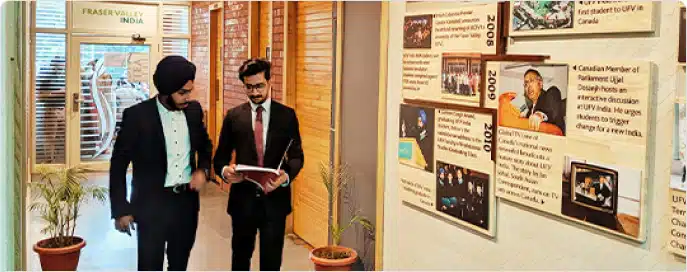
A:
258,175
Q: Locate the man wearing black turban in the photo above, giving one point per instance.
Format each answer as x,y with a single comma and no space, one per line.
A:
162,137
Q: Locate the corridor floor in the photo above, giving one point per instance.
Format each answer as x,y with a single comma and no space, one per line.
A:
108,249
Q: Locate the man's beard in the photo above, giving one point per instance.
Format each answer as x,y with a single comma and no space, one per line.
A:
171,104
254,99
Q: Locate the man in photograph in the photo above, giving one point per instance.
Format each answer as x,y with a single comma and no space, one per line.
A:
260,131
542,105
603,191
166,141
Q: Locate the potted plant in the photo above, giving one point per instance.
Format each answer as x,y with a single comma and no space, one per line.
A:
335,257
58,195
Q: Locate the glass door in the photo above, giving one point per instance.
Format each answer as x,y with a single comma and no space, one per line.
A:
108,78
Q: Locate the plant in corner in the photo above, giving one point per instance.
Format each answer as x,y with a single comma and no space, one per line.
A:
335,257
58,195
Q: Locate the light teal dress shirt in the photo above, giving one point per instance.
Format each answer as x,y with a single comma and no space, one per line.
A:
178,145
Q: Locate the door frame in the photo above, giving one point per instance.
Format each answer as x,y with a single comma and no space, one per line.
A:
215,95
73,86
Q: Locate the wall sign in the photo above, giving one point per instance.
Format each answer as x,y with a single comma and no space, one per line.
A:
536,18
118,18
583,124
442,44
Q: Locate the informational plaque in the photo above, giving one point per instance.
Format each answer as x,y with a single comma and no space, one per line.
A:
446,164
583,123
676,238
443,43
537,18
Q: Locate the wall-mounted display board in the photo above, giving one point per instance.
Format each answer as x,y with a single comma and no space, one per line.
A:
539,18
572,139
446,163
442,44
677,240
677,237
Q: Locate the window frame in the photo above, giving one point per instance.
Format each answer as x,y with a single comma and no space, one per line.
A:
70,33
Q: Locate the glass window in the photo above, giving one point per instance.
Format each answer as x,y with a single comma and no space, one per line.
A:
172,46
50,98
51,14
113,78
175,19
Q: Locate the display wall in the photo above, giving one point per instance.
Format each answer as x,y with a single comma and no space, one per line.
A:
622,83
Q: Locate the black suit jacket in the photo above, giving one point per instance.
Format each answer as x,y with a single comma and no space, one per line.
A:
550,103
237,135
604,191
141,141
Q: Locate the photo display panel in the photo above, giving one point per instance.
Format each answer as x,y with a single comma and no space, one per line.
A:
446,136
571,139
446,164
442,46
543,18
676,205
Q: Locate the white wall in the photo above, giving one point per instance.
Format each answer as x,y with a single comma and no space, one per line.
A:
527,239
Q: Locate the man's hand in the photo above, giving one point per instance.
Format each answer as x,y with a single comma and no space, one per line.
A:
198,180
125,224
535,120
274,184
229,174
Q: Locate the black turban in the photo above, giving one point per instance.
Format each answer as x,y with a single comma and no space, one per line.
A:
172,73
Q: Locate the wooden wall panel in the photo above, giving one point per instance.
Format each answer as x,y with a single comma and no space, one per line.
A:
265,28
314,62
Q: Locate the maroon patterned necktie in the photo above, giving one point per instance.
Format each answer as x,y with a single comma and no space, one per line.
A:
258,135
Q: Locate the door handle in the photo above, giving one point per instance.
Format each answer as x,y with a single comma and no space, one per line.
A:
219,90
76,102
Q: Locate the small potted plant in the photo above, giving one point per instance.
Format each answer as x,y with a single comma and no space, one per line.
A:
335,257
58,195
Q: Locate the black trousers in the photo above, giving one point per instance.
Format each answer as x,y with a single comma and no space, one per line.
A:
170,230
245,227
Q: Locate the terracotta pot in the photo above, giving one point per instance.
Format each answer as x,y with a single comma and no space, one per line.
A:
322,264
59,259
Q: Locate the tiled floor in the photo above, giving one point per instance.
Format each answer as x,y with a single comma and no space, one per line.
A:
107,249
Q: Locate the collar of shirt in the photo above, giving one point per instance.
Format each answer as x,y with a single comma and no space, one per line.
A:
164,111
265,105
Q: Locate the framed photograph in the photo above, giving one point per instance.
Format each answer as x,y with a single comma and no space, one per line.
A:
535,15
463,193
417,31
594,187
416,137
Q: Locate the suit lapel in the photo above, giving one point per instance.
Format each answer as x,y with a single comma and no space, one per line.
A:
273,108
189,119
160,133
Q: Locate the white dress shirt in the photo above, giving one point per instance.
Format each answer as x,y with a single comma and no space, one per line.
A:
265,119
178,145
265,127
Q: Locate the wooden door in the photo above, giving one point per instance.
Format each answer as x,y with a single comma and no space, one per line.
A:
215,114
265,29
314,45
